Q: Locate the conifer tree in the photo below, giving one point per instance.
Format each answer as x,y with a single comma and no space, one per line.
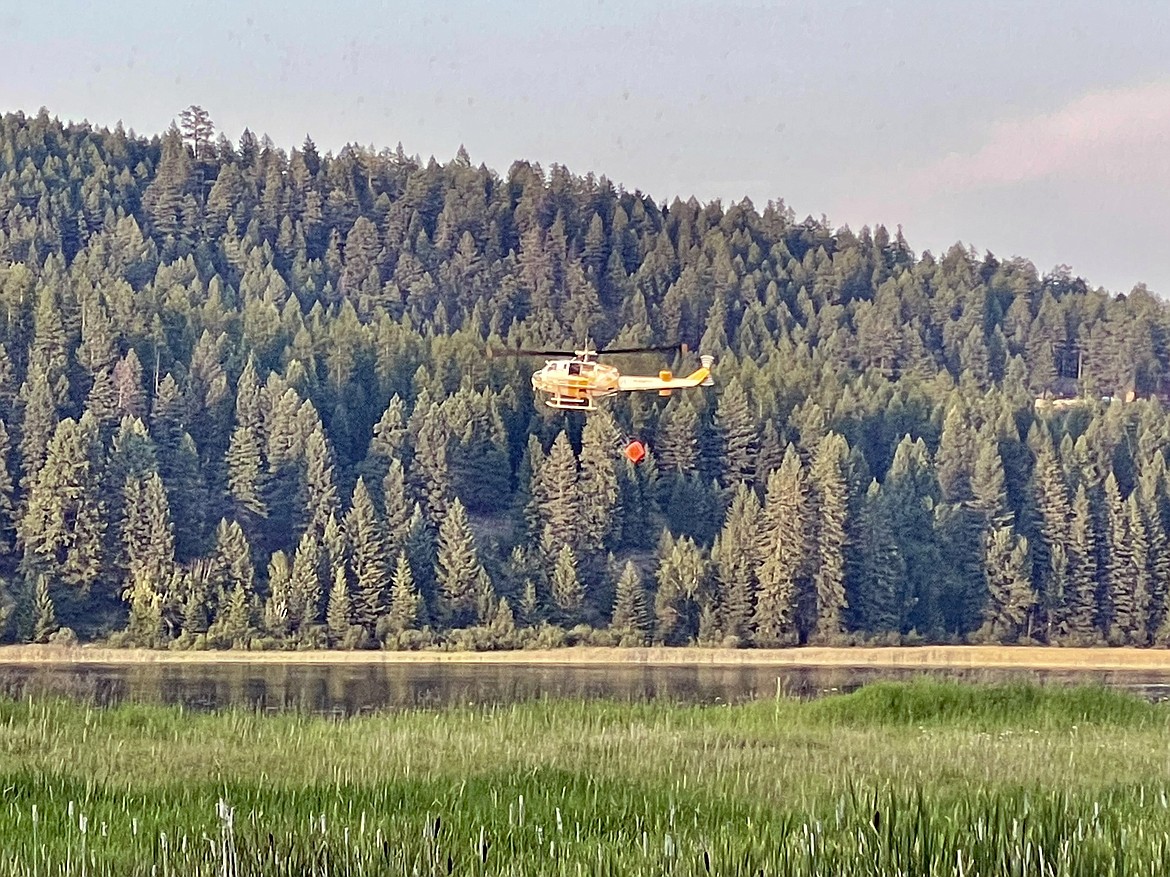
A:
232,575
567,591
390,442
736,426
912,490
337,616
1081,596
144,627
277,609
682,590
677,447
320,489
305,584
830,502
1051,538
1010,596
458,571
7,497
367,552
405,600
246,483
557,495
397,507
63,526
420,551
598,487
429,469
785,554
1117,596
877,598
45,623
631,616
37,425
734,558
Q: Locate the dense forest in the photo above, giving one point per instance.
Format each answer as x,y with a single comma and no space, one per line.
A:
245,402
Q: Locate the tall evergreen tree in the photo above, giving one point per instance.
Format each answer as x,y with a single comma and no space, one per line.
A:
785,553
736,426
405,601
460,576
735,558
830,501
367,552
598,485
631,616
63,526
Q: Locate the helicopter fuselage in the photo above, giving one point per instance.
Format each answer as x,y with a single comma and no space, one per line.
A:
575,383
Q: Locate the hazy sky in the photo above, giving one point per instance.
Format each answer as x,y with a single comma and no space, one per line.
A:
1041,131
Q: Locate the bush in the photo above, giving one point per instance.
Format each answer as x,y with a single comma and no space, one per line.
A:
64,638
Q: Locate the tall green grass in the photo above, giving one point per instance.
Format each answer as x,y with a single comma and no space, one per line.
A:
892,780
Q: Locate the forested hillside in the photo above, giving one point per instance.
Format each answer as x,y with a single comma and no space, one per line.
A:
244,401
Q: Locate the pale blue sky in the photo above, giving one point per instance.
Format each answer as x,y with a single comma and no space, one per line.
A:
1041,131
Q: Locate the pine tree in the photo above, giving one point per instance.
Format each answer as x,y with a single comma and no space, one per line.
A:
232,576
397,507
682,590
320,490
45,623
1117,599
429,469
148,536
1081,595
1051,537
305,586
736,426
734,558
567,592
830,501
912,491
37,425
631,616
62,530
405,600
677,447
277,609
785,553
337,616
877,599
557,495
144,627
420,551
1010,597
597,484
7,495
458,570
390,443
367,552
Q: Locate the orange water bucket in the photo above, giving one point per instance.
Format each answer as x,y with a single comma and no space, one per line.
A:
635,451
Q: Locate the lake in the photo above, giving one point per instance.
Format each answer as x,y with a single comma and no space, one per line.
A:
348,689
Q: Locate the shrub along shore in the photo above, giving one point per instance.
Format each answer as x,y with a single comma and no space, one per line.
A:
921,778
1026,657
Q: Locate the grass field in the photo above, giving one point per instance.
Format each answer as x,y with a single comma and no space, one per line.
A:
1032,657
895,779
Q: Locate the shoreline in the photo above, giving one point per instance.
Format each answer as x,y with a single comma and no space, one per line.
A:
925,657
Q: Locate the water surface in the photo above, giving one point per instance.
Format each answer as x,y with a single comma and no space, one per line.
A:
346,689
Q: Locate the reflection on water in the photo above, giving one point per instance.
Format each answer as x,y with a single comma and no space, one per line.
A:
345,689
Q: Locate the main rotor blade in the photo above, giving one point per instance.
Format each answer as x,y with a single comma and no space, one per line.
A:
550,353
662,348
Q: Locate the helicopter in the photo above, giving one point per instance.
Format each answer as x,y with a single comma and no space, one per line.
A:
574,380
